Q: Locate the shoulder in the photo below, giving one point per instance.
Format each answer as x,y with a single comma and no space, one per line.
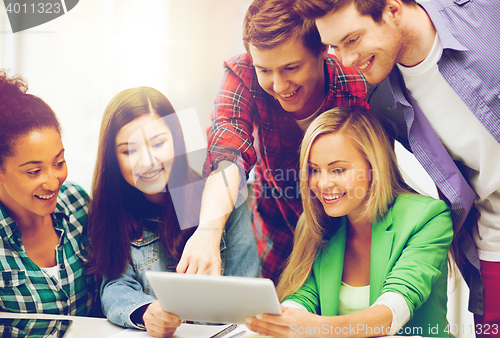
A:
339,72
416,216
344,81
72,200
418,202
419,210
241,65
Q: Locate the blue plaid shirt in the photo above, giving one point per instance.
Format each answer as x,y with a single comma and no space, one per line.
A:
25,287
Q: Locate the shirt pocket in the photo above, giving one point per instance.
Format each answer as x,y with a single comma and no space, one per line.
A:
144,251
15,293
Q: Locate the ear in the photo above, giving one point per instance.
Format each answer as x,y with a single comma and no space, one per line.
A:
393,11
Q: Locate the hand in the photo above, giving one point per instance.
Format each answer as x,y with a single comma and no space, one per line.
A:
291,323
201,254
158,322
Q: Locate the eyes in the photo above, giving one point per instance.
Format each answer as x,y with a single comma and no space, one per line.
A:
347,43
335,171
58,165
287,69
155,145
352,41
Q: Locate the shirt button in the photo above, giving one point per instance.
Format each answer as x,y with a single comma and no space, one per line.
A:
62,266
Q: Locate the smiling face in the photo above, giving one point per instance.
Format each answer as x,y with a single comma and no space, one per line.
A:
339,176
358,41
145,153
293,75
31,178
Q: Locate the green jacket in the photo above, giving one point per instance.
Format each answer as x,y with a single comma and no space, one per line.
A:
408,256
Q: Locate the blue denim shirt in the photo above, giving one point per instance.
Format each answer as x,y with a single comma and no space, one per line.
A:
123,295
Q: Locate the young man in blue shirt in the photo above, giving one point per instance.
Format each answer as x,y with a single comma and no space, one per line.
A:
436,70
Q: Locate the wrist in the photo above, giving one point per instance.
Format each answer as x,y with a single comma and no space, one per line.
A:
136,317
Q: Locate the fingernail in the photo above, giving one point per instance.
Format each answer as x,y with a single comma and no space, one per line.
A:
259,316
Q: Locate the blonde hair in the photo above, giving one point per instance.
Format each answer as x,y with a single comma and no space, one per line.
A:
368,135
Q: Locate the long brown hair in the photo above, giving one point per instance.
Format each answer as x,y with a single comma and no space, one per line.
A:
113,222
370,137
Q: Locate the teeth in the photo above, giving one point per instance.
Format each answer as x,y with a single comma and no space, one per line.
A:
289,95
332,198
150,175
46,197
365,65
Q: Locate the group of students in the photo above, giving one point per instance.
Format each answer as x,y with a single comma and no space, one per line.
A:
352,249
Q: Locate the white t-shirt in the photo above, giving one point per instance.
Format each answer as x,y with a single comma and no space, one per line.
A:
52,272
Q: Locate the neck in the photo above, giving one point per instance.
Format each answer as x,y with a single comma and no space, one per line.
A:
360,227
158,198
25,219
418,34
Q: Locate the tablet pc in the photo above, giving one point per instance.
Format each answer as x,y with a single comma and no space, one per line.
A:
213,299
33,327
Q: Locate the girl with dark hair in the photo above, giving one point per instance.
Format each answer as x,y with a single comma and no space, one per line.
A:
146,203
42,219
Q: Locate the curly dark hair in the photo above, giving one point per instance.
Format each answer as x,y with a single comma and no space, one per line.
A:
20,113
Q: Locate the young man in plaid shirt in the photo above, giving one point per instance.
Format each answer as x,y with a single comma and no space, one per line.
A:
267,99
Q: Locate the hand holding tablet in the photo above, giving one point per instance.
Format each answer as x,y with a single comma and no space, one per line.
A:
214,299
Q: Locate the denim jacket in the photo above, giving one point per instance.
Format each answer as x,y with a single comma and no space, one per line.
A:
123,295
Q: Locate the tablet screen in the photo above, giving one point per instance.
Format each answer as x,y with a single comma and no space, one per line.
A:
34,327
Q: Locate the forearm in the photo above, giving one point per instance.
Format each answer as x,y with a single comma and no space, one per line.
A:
121,296
219,197
374,321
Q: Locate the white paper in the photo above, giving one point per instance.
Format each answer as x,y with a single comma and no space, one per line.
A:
183,331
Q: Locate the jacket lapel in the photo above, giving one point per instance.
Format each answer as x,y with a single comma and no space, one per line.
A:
381,249
329,272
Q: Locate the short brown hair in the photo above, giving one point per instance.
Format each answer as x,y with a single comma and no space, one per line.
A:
315,9
269,23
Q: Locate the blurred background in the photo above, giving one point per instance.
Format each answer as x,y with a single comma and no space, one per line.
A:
80,60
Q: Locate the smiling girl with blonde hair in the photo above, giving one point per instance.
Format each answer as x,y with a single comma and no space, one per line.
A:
369,253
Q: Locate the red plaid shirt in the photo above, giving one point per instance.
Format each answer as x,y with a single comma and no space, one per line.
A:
250,128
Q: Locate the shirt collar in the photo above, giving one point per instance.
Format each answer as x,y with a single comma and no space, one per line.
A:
8,226
448,41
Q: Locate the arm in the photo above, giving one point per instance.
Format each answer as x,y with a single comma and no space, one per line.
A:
201,254
420,252
124,303
298,323
230,157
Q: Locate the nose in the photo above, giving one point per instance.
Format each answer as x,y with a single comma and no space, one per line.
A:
146,158
346,56
280,83
325,181
51,181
